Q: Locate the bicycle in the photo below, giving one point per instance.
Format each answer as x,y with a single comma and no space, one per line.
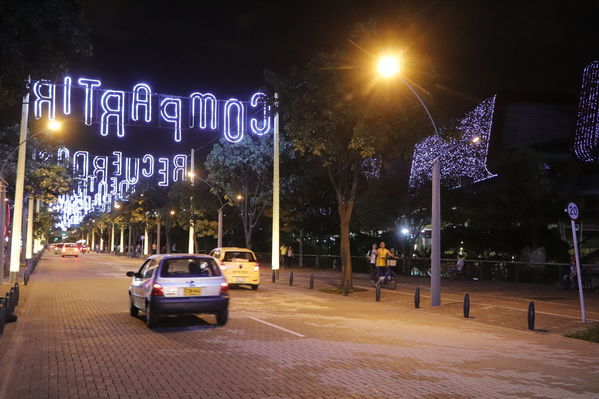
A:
389,279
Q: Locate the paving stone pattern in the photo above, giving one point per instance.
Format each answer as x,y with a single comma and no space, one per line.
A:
75,339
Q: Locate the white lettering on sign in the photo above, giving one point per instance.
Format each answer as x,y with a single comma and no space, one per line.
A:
117,109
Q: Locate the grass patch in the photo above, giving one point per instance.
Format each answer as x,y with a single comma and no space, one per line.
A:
339,290
590,334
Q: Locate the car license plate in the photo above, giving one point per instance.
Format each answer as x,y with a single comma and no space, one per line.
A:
240,280
193,291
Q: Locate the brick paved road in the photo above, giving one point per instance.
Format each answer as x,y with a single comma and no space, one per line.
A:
75,339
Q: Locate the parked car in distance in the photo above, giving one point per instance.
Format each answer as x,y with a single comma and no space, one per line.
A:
58,248
239,265
179,284
70,249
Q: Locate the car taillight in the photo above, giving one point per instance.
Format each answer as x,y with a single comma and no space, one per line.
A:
224,288
157,290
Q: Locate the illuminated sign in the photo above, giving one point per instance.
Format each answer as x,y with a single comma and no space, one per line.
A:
103,179
115,110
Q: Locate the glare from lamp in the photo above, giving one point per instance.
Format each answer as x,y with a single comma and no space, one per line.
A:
54,125
388,66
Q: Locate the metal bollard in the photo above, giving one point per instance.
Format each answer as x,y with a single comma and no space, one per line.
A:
9,308
273,276
377,293
311,281
2,315
346,287
531,315
26,277
467,305
17,294
417,298
291,278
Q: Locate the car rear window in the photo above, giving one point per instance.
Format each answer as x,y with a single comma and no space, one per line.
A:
239,256
70,245
189,267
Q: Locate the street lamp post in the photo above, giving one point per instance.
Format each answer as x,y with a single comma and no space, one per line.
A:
191,229
388,67
15,241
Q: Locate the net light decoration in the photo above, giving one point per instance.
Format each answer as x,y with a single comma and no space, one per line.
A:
586,139
462,160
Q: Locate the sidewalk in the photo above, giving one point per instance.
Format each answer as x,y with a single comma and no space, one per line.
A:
491,302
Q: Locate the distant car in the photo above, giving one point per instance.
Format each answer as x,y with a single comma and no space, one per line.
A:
239,265
58,248
70,249
83,248
179,284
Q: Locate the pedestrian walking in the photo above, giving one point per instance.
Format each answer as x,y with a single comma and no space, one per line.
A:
371,255
289,256
283,257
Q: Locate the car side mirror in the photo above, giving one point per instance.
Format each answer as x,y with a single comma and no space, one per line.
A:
131,274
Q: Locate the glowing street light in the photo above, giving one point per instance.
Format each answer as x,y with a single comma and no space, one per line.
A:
54,125
117,206
476,139
239,197
388,66
172,213
405,231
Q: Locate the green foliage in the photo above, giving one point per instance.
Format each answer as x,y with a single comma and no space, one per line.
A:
43,223
38,39
245,169
590,334
47,183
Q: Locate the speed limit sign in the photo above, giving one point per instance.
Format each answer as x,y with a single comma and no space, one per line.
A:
572,211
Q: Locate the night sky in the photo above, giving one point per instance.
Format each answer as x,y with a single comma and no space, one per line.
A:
462,51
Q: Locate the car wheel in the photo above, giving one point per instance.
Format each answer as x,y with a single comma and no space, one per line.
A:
151,318
62,256
254,287
222,317
392,284
133,311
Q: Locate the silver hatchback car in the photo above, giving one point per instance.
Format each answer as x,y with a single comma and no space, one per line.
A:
178,284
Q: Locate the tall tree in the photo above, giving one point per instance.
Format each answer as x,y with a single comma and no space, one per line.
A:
38,39
336,111
243,173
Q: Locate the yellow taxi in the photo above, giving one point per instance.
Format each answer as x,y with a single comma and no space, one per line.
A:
239,265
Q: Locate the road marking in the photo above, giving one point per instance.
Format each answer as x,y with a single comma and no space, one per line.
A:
277,327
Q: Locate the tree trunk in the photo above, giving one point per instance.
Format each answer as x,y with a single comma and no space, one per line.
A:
168,239
248,237
196,244
345,210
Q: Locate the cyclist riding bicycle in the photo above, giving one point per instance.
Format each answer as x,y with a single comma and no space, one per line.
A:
383,254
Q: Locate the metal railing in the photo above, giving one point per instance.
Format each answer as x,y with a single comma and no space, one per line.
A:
474,269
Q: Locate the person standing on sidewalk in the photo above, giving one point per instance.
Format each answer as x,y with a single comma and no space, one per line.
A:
371,254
